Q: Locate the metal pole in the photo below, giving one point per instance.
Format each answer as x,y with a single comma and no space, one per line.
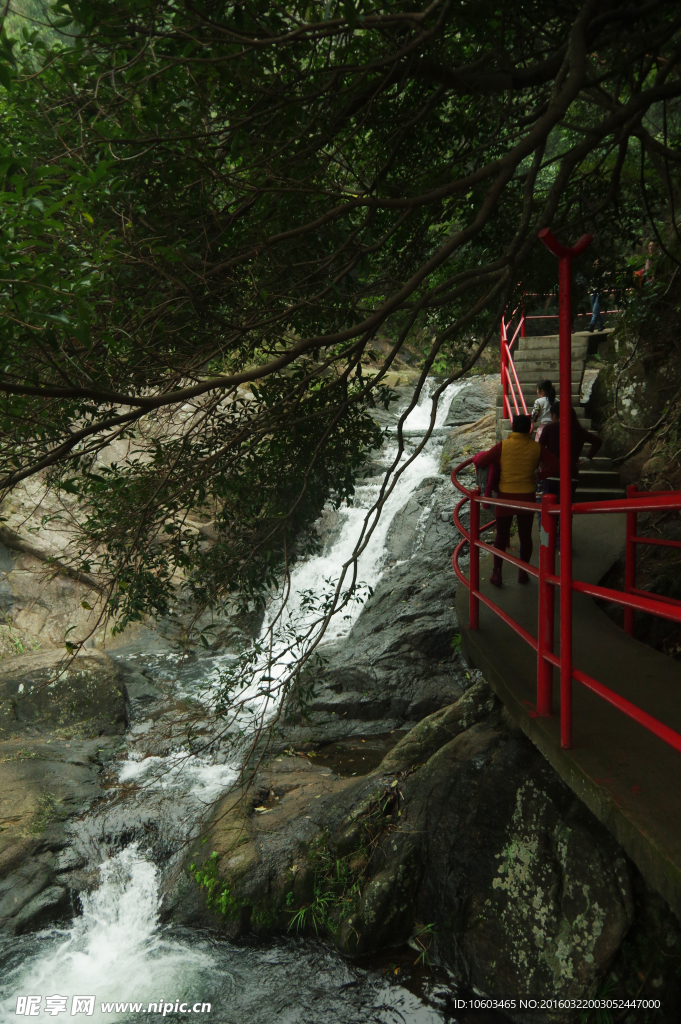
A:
502,367
474,574
565,377
630,560
545,630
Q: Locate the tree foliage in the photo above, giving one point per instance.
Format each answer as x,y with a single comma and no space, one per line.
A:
211,209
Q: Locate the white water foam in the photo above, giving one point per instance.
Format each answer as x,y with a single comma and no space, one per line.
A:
118,939
116,951
318,575
180,772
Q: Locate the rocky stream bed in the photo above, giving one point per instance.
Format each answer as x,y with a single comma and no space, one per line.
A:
404,845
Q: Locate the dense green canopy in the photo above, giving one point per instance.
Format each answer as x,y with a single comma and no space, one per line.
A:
211,209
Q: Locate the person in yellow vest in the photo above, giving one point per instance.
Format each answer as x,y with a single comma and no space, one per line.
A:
521,460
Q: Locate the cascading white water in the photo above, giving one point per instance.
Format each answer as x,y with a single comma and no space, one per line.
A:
316,576
116,951
312,574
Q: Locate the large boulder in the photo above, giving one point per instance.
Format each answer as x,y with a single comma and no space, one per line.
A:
463,842
400,661
46,692
477,397
60,722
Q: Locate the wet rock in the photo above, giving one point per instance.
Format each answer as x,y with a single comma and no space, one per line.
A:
464,834
468,440
398,664
47,906
139,690
60,728
48,692
44,784
476,399
426,738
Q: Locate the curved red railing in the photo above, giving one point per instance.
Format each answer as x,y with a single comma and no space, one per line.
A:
631,599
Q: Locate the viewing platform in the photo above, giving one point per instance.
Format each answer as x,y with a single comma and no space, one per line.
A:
602,707
628,778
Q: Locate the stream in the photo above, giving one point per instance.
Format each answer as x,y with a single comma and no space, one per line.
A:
116,952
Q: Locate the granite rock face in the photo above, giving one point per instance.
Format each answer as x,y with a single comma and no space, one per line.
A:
60,724
41,693
463,842
477,397
398,664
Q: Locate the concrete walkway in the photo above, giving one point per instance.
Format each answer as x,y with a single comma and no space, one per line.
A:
627,777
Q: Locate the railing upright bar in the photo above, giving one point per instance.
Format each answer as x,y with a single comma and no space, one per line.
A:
565,256
546,606
520,390
565,377
510,384
505,406
474,572
630,561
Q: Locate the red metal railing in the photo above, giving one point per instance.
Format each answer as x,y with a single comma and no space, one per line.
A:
632,539
631,599
509,375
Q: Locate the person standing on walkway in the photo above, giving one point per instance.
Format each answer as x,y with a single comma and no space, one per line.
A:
550,440
519,458
541,410
596,322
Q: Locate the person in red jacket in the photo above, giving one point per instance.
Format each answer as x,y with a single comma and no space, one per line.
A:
519,458
550,439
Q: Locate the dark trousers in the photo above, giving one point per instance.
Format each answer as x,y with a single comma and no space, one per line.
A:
504,535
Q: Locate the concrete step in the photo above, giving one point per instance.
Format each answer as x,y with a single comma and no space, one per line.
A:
602,463
608,478
578,351
530,399
577,337
529,387
599,493
530,384
537,371
550,356
531,370
531,396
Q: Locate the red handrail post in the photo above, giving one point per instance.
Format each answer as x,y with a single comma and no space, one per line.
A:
545,629
503,369
474,574
565,256
522,320
630,560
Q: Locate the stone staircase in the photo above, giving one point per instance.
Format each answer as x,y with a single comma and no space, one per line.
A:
536,358
598,481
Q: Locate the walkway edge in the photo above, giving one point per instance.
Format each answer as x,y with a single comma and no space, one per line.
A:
655,865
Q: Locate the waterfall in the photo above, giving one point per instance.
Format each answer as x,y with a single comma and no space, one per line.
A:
117,950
